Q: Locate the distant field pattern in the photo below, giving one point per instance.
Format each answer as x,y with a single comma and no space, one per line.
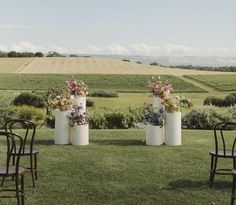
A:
119,83
219,82
93,65
11,65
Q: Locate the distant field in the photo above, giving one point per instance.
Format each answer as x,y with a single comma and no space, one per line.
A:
11,65
119,83
88,65
219,82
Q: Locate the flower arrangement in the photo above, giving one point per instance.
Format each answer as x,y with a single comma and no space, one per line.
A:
155,118
77,116
77,88
159,88
59,98
175,103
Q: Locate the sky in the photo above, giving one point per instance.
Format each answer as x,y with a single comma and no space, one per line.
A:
120,27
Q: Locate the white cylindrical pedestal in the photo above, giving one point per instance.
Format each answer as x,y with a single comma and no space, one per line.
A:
154,135
80,135
62,128
80,101
157,103
173,128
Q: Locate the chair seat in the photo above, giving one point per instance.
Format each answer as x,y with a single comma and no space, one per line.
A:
228,153
26,151
11,171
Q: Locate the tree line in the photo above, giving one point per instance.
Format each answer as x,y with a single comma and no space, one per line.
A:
14,54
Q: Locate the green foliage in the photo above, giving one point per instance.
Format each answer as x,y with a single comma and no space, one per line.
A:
89,103
229,100
114,83
31,99
117,119
205,117
37,115
7,113
104,94
97,121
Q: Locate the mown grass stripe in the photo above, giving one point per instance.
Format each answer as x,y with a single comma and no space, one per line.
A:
122,83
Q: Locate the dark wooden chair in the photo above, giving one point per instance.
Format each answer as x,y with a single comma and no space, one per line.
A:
28,134
8,144
225,139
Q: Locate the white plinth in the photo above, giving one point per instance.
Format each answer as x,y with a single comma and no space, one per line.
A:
157,103
154,135
80,101
62,128
80,135
173,129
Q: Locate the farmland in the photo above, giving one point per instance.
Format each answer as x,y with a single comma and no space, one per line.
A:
219,82
88,65
118,83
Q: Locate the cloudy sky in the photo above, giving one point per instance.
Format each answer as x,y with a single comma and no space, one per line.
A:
127,27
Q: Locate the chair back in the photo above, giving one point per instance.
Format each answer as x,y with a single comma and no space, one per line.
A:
225,138
27,130
8,144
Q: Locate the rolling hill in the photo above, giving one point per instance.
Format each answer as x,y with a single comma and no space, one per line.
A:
88,65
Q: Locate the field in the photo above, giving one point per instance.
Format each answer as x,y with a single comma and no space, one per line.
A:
119,83
117,168
88,65
219,82
11,65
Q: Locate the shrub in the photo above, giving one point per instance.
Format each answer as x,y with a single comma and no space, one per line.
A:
118,119
30,99
229,100
103,94
89,103
7,113
37,115
97,121
205,117
154,64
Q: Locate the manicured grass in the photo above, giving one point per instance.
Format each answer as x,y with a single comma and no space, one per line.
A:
220,82
119,83
117,168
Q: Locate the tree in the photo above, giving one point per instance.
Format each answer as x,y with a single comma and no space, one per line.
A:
38,54
12,54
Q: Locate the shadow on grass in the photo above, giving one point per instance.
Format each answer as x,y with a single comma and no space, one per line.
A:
189,184
44,142
119,142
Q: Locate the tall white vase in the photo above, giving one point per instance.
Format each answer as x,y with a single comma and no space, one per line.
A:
80,101
154,135
80,135
173,129
157,103
62,128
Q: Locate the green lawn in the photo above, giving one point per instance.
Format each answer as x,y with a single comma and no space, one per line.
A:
220,82
117,168
119,83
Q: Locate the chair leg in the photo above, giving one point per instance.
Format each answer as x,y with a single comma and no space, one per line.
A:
233,190
2,182
22,190
17,189
35,167
213,169
32,169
